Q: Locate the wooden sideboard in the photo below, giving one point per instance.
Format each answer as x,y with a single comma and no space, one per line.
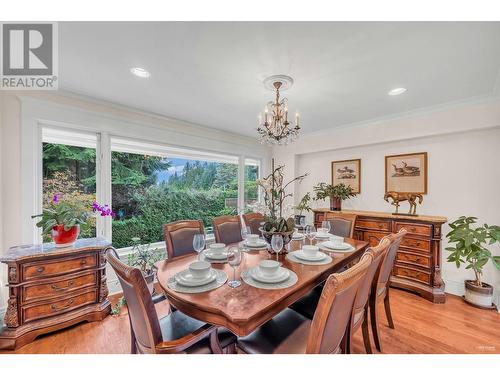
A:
52,288
418,262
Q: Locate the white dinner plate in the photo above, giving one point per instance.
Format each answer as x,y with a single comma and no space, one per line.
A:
215,255
317,258
297,236
331,247
186,278
321,235
258,243
281,275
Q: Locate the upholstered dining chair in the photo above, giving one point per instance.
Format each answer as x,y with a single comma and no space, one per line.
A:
342,223
227,229
380,287
253,220
179,236
291,333
360,311
174,333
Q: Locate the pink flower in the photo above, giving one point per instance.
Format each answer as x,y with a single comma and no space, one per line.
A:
55,198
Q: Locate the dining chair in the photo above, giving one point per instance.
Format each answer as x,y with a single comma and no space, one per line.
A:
342,224
227,229
360,311
174,333
179,235
380,287
292,333
253,220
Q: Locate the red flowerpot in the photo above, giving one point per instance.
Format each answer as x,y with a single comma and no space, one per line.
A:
64,238
335,204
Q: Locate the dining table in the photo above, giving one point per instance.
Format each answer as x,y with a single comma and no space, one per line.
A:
245,308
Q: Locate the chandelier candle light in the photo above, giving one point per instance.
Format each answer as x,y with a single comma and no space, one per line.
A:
274,127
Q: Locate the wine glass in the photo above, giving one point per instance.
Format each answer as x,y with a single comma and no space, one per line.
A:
198,243
245,231
234,257
277,244
310,233
326,226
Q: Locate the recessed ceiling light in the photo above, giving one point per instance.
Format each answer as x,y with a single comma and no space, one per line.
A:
140,72
397,91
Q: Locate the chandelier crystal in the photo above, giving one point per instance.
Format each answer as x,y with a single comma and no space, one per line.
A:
274,127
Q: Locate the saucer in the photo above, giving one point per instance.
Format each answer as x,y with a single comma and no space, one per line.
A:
186,278
258,244
301,255
214,255
281,275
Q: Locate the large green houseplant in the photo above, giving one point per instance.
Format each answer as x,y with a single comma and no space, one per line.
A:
469,245
336,193
303,206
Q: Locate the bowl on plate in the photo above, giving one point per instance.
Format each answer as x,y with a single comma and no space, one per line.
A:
310,251
268,267
336,240
252,239
200,269
217,248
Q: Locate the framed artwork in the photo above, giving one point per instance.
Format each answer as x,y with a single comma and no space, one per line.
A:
347,172
406,173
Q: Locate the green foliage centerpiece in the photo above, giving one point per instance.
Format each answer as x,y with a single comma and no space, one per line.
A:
278,217
336,193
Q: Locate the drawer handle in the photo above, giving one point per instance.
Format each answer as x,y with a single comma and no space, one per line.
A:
66,306
412,229
381,226
83,261
60,289
40,269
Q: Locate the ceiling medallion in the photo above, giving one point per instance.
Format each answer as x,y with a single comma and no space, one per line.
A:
274,125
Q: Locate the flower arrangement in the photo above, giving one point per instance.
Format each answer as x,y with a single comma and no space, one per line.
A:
278,216
62,219
336,193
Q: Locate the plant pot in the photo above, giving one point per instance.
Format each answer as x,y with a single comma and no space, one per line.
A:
65,238
481,296
149,276
287,237
335,204
299,220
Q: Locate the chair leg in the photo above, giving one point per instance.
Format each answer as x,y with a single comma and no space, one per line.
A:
374,323
387,306
366,333
214,342
133,343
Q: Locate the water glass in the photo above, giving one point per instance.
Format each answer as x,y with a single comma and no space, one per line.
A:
311,233
199,243
277,244
245,231
326,225
234,258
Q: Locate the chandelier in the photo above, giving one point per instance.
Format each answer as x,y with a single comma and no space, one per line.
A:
274,127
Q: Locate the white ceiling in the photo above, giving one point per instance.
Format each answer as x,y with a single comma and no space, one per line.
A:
211,73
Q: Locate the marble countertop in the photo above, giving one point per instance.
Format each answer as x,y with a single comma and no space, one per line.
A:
28,251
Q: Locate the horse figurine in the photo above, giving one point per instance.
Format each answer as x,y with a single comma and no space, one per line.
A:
401,197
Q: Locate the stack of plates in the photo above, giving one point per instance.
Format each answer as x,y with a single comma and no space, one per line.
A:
318,256
215,255
297,236
320,235
260,243
279,276
329,245
185,278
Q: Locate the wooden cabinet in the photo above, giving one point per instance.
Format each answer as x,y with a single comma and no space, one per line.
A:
418,262
52,288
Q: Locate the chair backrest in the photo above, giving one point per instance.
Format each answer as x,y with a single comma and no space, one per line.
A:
378,252
335,308
143,317
388,263
179,236
342,224
227,229
253,220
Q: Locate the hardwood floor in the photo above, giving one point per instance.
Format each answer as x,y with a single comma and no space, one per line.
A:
455,328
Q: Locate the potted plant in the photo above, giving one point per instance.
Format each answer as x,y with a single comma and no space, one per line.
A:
336,193
469,246
304,205
63,220
144,258
277,217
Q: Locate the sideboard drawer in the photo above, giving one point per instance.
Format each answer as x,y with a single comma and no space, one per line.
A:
418,229
46,290
419,260
44,269
44,310
413,243
373,224
373,238
412,274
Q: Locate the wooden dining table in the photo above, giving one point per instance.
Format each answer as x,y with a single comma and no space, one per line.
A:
245,308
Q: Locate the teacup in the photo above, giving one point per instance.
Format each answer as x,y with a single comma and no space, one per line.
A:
310,250
268,267
217,248
336,240
200,269
252,238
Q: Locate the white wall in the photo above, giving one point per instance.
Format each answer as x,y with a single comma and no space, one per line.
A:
23,112
463,146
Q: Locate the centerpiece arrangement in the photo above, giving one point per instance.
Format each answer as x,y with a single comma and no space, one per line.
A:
336,193
278,217
62,219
